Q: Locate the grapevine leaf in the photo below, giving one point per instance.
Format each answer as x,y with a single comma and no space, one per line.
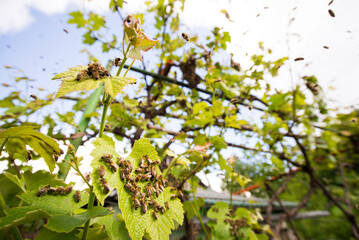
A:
77,18
67,222
141,43
55,204
113,85
220,229
46,234
16,180
27,135
115,228
20,215
70,84
137,223
161,228
104,145
41,178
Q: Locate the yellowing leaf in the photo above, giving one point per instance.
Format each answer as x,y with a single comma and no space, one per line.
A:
113,85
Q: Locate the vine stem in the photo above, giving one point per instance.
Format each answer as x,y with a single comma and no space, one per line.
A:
232,180
108,100
172,164
89,206
196,209
3,145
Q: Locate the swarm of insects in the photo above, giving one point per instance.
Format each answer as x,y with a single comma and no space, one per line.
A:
94,70
144,198
61,190
235,225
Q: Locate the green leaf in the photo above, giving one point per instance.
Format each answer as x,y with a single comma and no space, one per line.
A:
115,228
41,178
20,215
221,230
46,234
67,222
137,223
16,180
26,135
70,84
55,204
88,38
77,18
113,85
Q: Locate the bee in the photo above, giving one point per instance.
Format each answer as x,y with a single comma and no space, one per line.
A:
43,190
128,166
331,13
173,196
136,202
105,185
167,205
107,158
149,189
77,196
93,70
137,191
153,171
149,160
140,170
162,188
143,202
117,61
157,187
82,74
123,175
52,190
185,36
138,177
157,162
68,189
129,187
143,162
180,193
105,73
147,176
162,209
33,96
155,215
113,166
101,171
120,162
250,108
162,180
107,127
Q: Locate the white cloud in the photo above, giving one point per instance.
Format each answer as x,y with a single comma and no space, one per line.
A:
16,15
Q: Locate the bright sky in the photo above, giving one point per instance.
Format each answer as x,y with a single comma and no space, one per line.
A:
32,39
